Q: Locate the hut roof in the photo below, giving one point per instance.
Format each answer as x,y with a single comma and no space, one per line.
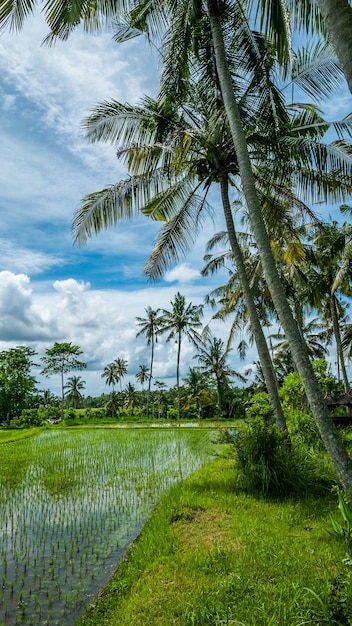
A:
346,400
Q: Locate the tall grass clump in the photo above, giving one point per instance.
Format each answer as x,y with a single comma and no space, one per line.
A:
273,466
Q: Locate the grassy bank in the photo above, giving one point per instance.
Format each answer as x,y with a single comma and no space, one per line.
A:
210,555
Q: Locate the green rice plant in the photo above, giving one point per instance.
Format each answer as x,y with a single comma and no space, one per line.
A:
81,497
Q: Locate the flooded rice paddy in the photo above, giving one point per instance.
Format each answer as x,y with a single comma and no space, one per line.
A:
70,504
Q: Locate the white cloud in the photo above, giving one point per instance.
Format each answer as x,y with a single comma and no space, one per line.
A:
101,322
183,273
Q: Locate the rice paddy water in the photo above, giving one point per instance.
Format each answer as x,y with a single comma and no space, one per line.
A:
70,504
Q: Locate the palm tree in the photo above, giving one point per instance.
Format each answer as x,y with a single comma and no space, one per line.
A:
143,375
113,403
74,385
197,390
182,320
148,327
110,375
120,369
131,397
213,358
162,399
328,277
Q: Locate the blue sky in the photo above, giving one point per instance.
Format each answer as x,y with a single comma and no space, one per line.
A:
51,290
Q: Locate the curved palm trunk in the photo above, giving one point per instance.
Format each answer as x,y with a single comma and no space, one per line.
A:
337,14
337,334
327,429
263,351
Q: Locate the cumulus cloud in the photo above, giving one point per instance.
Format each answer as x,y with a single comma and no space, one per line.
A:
18,318
183,273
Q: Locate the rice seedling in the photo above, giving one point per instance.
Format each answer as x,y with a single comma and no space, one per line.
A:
70,510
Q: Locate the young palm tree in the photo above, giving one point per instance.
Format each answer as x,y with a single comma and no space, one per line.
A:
73,387
182,320
327,279
197,390
131,397
148,327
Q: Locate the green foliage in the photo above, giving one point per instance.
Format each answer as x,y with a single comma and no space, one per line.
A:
335,606
259,406
17,384
270,465
302,427
342,527
266,464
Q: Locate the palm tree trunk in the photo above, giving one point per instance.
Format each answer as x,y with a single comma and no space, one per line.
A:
327,429
150,375
337,334
178,376
337,15
263,351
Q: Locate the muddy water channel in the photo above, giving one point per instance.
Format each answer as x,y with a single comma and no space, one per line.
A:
70,504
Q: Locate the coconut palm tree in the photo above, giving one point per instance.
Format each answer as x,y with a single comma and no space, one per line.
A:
120,369
327,278
181,320
110,375
143,375
148,327
73,387
130,397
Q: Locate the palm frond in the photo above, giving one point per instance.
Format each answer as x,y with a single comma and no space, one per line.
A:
177,236
105,208
13,13
316,70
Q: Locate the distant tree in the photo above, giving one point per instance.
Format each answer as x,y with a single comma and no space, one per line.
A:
182,320
17,384
110,375
161,386
113,403
197,391
131,398
73,388
143,375
213,359
120,366
148,327
60,359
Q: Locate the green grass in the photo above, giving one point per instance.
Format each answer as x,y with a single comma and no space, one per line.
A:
211,556
8,436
